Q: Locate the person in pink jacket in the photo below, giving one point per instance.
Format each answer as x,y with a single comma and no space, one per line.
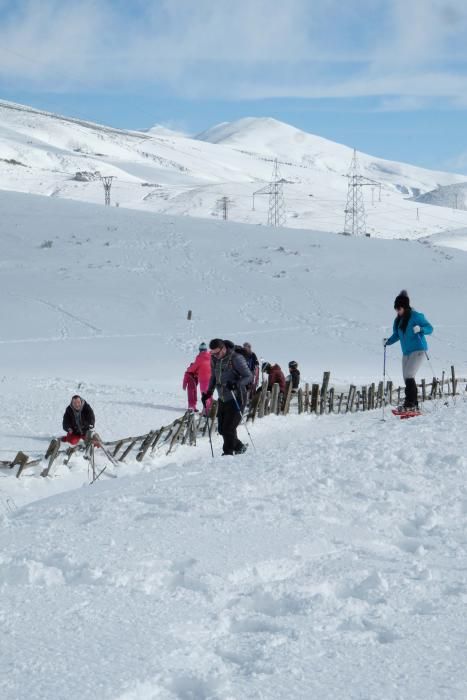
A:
199,372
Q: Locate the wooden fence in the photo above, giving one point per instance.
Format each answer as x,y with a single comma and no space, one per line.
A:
324,399
320,399
182,431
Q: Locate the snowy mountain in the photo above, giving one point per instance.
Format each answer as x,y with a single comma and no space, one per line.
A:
328,562
162,171
278,140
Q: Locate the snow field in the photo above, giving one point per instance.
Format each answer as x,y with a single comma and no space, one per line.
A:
329,563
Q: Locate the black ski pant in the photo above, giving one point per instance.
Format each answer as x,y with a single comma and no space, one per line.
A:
228,420
411,393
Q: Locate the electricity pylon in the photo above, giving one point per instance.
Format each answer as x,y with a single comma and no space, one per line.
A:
275,190
107,182
355,218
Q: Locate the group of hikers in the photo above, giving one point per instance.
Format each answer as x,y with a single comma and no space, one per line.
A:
198,373
234,372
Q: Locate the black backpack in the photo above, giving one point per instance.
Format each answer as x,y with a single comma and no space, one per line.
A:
238,348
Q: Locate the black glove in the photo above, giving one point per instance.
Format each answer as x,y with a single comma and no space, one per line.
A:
230,386
205,396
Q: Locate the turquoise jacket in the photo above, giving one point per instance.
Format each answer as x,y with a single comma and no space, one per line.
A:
410,341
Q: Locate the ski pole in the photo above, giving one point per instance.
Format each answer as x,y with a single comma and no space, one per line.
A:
242,422
384,381
209,428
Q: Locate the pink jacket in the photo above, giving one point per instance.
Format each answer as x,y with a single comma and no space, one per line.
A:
201,367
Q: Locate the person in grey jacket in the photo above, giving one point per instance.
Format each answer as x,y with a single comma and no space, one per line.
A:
230,376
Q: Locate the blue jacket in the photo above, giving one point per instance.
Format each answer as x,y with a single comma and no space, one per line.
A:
410,341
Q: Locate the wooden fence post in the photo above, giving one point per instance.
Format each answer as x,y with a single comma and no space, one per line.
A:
379,401
300,400
350,398
331,400
262,401
274,398
288,396
454,381
307,398
364,399
389,392
324,392
314,398
267,405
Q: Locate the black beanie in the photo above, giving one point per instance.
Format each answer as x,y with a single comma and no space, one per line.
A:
266,366
216,343
402,300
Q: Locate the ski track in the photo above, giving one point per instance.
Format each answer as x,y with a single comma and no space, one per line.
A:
251,578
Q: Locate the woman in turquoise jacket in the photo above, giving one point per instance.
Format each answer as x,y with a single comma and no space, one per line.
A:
410,327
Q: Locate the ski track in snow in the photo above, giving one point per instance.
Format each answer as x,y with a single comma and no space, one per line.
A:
252,577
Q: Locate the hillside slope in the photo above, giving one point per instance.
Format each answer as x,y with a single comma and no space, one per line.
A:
166,172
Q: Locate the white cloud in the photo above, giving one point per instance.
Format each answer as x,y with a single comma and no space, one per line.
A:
242,49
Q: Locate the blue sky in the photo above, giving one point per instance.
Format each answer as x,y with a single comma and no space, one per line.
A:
388,77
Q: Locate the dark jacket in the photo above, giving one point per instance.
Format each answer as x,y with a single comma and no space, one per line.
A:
295,377
276,376
230,368
87,419
252,361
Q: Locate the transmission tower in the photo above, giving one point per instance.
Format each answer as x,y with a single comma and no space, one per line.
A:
355,218
223,204
107,182
275,190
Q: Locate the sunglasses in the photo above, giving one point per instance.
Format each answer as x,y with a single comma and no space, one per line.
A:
216,352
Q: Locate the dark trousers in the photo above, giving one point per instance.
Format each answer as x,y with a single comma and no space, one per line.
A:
411,393
228,420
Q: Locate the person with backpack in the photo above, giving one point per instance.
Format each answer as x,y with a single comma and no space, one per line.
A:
410,328
275,376
198,373
294,376
229,376
253,365
78,419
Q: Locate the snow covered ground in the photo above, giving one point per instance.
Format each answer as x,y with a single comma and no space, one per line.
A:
166,172
329,563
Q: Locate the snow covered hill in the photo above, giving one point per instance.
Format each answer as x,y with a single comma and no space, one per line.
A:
452,196
163,171
330,563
